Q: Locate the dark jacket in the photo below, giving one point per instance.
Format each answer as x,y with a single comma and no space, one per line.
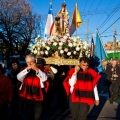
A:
12,74
108,72
6,91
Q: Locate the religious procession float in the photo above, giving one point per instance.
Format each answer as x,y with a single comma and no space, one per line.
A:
61,48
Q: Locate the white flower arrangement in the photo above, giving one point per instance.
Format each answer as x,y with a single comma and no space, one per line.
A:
63,46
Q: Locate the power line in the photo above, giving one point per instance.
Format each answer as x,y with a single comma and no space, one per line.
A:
90,7
106,8
110,25
96,8
85,6
88,13
106,36
108,18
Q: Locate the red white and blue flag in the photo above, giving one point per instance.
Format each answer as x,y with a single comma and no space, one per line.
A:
49,22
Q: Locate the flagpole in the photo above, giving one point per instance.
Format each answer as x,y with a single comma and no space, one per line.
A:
76,17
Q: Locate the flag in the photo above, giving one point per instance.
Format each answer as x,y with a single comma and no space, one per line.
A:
49,21
92,53
76,20
99,53
92,48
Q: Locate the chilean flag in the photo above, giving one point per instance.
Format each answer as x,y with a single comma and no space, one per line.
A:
49,22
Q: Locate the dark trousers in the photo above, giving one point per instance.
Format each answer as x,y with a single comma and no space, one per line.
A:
113,90
48,99
3,111
34,109
79,110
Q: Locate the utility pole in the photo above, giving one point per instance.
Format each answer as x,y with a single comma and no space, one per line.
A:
115,35
87,31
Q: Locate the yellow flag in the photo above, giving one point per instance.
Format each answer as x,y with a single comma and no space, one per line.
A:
76,20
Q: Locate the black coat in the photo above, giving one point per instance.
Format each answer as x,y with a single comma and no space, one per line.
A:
108,72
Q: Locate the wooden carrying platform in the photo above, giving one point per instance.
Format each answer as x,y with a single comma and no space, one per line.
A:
60,61
63,61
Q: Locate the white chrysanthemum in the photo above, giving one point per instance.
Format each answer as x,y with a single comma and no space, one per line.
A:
35,51
43,44
51,39
70,44
80,43
57,39
33,46
74,39
46,52
65,37
74,44
38,48
48,48
86,52
68,34
38,43
78,38
38,53
61,51
55,43
69,53
85,45
60,43
45,39
77,48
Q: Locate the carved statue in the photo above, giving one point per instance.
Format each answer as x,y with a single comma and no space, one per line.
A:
61,21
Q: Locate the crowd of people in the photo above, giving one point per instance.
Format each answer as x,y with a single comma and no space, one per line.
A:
34,87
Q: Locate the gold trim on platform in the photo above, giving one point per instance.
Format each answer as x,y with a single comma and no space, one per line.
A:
60,61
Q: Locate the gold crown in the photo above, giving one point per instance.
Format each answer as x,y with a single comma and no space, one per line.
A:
63,5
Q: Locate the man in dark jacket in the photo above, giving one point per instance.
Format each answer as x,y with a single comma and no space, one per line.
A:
113,79
12,74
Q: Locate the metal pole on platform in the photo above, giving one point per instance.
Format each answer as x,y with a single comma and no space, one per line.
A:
76,17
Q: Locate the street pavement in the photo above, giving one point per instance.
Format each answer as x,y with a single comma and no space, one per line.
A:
105,110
